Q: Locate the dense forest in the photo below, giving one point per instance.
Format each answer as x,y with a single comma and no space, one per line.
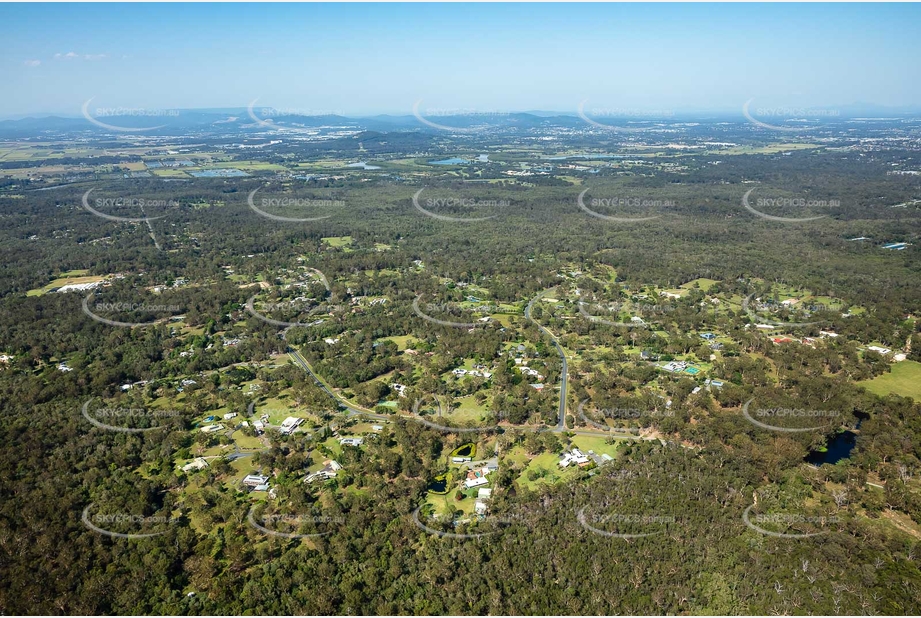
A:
662,529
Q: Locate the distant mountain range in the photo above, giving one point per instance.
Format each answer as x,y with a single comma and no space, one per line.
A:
239,120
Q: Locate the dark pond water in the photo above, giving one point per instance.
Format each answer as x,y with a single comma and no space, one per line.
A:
438,485
465,450
838,448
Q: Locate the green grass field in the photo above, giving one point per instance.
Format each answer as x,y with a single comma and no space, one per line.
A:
548,462
247,443
598,444
904,380
469,410
278,409
402,341
169,173
703,283
440,503
337,241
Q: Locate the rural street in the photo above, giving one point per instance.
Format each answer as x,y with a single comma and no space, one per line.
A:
564,372
560,427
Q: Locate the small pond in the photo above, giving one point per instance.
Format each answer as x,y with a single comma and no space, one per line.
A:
464,451
838,448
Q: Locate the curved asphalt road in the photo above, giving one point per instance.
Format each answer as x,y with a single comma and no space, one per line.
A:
300,360
564,373
561,423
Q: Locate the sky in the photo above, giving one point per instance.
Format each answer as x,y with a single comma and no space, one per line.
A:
363,59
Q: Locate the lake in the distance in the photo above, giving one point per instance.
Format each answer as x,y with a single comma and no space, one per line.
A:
451,161
583,156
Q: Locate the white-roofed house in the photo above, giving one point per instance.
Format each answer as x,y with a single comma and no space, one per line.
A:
290,424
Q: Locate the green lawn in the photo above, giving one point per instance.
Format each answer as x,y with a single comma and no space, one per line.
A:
169,173
337,241
703,283
441,503
501,318
469,410
550,463
402,341
597,444
241,467
359,429
904,380
247,443
278,409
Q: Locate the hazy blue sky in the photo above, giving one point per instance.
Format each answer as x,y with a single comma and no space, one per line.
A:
369,58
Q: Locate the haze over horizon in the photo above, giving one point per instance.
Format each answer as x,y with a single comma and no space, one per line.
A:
362,60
